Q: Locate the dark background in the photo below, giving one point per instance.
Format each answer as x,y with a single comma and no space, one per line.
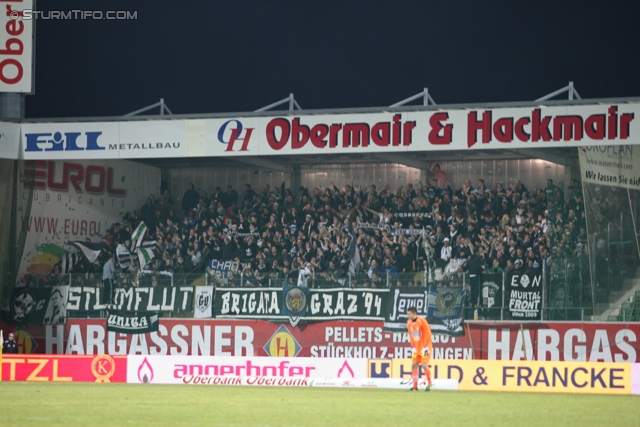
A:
233,56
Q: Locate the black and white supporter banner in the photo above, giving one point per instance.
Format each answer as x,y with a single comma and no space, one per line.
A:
320,304
132,324
401,298
525,296
143,299
491,289
441,306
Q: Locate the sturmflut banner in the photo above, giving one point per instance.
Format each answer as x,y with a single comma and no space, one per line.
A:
614,165
139,299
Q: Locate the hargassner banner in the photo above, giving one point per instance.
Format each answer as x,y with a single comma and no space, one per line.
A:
617,166
384,132
16,47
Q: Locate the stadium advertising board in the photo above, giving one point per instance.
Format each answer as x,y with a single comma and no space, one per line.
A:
104,140
189,369
453,129
635,378
618,166
48,368
528,376
16,55
75,201
348,339
557,341
564,341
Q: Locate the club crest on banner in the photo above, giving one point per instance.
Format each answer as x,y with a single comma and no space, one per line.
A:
489,292
446,300
203,302
22,305
294,303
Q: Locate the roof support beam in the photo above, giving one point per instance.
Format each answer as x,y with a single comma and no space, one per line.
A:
544,155
265,164
401,159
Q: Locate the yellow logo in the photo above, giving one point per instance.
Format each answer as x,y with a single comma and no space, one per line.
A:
282,344
26,343
103,367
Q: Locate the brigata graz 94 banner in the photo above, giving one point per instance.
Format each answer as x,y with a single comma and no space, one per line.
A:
294,304
461,128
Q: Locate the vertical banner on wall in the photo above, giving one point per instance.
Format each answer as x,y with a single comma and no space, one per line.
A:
16,57
445,310
204,302
525,295
76,201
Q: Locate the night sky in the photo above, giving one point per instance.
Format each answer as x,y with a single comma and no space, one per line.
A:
235,56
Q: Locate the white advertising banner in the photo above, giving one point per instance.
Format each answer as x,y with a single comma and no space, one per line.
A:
104,140
16,46
181,369
76,200
9,140
204,302
617,166
385,132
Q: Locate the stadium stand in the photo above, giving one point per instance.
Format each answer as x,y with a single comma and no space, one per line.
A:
363,237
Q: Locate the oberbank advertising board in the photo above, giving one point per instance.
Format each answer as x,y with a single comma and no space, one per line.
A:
449,129
471,375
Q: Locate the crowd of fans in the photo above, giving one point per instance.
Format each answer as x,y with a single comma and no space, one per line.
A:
354,236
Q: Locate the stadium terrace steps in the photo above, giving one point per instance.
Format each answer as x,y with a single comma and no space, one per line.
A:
625,305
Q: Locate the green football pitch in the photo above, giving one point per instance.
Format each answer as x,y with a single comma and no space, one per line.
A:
50,404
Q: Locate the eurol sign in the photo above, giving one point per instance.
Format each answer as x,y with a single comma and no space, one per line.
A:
536,126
